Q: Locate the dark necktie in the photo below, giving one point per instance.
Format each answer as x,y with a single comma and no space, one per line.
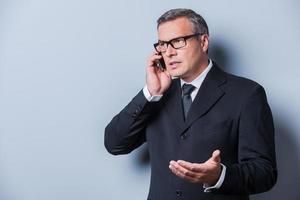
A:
187,89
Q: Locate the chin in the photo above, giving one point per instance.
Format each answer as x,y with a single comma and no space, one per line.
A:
175,73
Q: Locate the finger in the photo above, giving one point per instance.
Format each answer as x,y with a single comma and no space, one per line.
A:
155,53
167,73
154,57
194,167
182,170
154,67
180,174
216,156
187,165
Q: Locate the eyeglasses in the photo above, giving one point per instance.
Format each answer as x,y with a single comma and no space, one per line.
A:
176,43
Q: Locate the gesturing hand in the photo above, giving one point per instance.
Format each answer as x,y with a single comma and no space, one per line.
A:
158,81
207,172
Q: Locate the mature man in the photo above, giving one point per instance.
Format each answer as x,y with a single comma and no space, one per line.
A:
210,134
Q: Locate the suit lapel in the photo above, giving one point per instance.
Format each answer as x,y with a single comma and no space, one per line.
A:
173,103
207,96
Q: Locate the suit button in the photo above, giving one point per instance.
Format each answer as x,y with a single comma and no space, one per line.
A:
183,136
178,193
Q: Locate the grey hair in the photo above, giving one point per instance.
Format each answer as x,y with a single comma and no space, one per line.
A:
199,24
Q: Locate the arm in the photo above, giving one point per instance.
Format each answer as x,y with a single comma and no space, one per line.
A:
256,170
126,131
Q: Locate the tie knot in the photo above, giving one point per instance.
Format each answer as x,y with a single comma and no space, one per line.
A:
187,89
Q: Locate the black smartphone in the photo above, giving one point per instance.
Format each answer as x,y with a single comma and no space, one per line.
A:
161,63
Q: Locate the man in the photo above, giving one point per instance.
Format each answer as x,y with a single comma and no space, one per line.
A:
210,134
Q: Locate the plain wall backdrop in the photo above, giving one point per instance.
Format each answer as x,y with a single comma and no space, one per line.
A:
68,66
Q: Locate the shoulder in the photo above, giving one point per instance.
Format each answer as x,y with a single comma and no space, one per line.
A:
235,81
238,85
241,82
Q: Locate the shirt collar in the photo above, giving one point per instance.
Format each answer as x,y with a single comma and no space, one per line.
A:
199,79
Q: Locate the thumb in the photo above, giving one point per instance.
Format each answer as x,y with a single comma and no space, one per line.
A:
216,156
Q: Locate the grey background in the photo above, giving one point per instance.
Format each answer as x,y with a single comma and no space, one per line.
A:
67,67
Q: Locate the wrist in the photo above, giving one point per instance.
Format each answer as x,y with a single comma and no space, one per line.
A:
218,184
154,91
216,177
149,97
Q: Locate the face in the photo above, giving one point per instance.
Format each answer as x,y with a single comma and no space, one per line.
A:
187,62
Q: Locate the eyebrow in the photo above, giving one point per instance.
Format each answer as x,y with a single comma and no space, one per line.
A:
171,39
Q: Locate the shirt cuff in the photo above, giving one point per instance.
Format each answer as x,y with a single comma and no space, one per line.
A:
148,96
208,188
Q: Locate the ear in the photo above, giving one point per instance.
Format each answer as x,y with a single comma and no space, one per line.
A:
204,42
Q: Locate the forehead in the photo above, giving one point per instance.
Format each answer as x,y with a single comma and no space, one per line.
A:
174,28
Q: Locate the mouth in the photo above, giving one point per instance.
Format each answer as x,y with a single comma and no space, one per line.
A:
174,64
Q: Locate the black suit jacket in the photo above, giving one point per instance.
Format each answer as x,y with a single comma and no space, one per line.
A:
229,113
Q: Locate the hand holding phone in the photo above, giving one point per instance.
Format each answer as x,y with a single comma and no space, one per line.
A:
158,79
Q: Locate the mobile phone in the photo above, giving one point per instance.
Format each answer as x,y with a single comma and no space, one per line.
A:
161,63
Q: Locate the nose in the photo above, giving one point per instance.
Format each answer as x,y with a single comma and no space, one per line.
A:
170,51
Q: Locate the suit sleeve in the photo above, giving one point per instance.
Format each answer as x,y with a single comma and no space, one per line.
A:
256,170
126,131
